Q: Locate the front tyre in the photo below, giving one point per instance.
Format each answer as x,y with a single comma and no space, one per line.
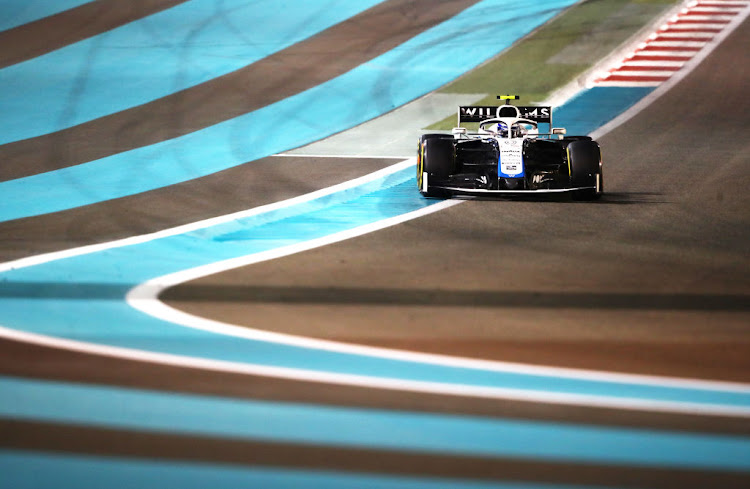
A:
435,161
585,167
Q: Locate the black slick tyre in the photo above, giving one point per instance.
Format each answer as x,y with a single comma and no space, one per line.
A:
585,167
435,162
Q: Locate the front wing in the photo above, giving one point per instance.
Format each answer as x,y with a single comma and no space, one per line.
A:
534,191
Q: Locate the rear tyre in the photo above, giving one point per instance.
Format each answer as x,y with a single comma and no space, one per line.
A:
435,162
585,164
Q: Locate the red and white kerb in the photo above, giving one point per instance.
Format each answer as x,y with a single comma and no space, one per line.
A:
674,43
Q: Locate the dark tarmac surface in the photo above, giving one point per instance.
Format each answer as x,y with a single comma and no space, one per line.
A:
69,26
653,279
257,183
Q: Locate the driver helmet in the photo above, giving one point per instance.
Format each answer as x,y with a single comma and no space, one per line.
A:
501,129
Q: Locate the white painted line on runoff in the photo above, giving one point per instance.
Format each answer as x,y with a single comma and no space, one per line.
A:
322,377
359,157
84,250
144,297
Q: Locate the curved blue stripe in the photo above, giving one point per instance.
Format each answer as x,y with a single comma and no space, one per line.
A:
19,12
593,107
332,426
153,57
42,299
418,66
35,470
59,305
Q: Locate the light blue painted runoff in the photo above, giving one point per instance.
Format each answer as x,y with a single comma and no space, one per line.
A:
14,13
360,94
593,107
149,58
418,66
56,299
37,470
254,420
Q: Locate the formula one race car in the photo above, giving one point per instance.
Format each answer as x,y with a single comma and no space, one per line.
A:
508,155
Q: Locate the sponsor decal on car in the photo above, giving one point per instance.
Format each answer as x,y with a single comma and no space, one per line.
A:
510,160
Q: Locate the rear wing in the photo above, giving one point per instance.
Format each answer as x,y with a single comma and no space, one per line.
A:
478,113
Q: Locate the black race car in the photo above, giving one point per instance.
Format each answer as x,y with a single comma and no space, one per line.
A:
508,155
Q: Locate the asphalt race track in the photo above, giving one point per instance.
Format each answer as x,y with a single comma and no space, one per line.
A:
652,280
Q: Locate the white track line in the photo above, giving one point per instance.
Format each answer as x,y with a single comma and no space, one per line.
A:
316,376
144,298
357,157
84,250
146,295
